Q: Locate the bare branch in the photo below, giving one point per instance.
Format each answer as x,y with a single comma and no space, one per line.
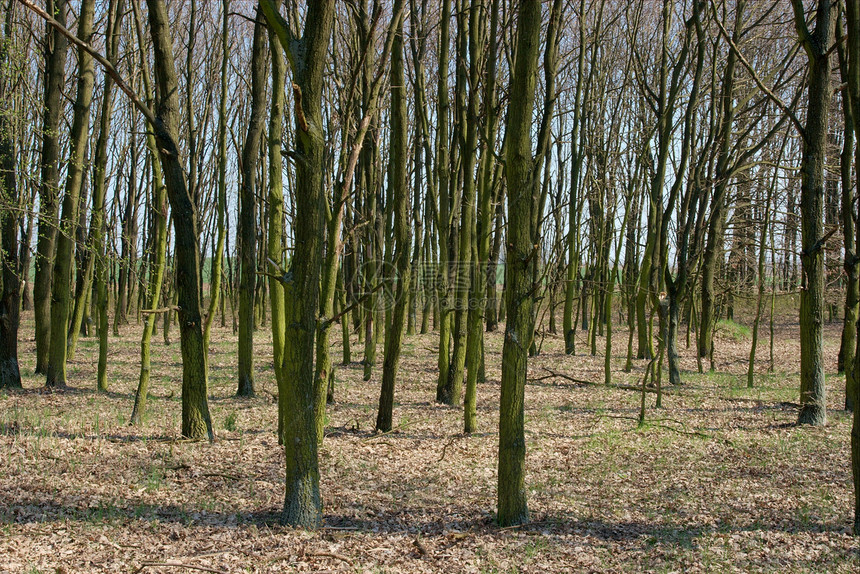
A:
773,97
109,68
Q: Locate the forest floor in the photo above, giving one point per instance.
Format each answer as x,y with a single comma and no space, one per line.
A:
719,479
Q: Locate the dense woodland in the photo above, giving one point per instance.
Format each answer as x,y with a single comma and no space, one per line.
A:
339,179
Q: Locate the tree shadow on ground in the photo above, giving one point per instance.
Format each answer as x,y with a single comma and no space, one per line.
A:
453,524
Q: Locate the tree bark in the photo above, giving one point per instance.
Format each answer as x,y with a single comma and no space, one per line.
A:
65,243
443,224
247,216
813,408
307,57
196,421
10,373
55,65
402,231
159,246
520,270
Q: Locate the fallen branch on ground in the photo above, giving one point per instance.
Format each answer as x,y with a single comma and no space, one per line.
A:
330,555
177,564
636,388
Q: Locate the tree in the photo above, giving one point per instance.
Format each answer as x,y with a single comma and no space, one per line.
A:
520,271
55,65
62,273
444,394
196,421
466,138
247,215
817,44
216,269
10,374
714,246
845,361
351,148
306,55
156,276
482,280
400,193
853,21
574,213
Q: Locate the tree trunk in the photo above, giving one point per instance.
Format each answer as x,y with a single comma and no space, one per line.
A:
813,408
520,270
10,298
275,222
845,361
481,282
400,193
159,249
196,421
55,64
307,57
443,167
714,247
216,274
853,18
62,273
247,215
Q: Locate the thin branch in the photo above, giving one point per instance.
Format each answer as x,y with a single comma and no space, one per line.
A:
177,564
328,322
109,68
773,97
281,28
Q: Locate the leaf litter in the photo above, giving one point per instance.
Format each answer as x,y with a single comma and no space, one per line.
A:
719,479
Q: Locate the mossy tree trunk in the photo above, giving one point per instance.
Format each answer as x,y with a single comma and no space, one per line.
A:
520,270
247,235
350,153
469,284
817,44
159,247
217,265
307,57
443,220
55,66
761,268
853,20
400,195
275,222
481,281
714,246
845,362
65,243
196,421
10,297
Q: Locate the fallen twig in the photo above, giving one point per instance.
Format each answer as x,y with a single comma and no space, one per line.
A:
636,388
177,564
422,550
444,448
655,423
524,525
220,475
394,430
330,555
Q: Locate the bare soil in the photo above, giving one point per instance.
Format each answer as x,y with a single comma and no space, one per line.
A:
719,480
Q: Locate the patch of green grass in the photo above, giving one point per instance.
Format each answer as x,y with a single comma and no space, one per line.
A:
535,546
734,330
102,514
154,479
230,422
